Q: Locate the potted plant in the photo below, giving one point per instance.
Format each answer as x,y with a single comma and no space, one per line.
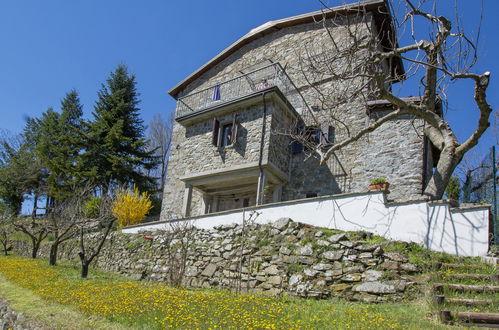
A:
379,184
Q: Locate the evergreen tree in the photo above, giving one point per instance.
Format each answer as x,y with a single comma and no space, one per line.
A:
60,145
21,172
118,149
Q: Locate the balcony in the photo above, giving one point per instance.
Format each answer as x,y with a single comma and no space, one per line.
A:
254,82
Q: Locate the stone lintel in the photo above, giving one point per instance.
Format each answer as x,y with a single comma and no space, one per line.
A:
235,172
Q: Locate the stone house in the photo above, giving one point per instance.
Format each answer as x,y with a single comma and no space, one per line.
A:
228,150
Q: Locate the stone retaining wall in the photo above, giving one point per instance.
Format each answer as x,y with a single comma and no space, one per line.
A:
282,257
10,319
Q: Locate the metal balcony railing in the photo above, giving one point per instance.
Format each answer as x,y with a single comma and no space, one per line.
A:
239,87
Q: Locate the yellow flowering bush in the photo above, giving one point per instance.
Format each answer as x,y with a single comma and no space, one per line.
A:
131,207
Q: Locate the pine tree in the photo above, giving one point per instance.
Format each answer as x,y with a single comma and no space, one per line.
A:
60,145
118,149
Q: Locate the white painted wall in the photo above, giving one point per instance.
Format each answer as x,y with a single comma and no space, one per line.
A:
460,231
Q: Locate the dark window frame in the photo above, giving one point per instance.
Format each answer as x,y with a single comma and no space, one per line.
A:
219,137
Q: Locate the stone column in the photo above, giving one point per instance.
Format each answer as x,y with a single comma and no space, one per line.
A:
206,201
187,200
214,204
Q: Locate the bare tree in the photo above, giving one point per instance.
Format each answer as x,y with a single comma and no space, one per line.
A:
178,238
363,70
35,228
160,135
93,232
64,220
6,230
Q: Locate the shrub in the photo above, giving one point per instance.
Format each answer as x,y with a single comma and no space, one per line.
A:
453,189
92,207
378,180
131,207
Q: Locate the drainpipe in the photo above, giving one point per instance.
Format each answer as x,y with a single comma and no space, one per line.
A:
261,177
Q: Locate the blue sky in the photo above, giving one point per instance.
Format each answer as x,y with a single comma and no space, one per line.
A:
49,47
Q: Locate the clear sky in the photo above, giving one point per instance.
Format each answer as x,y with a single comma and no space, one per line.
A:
49,47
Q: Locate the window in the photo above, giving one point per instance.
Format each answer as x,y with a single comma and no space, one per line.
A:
224,134
310,195
315,134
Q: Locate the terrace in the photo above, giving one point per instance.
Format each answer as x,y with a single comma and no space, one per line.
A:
241,87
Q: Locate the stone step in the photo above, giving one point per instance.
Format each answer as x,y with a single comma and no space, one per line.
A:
439,288
440,299
494,278
440,265
483,319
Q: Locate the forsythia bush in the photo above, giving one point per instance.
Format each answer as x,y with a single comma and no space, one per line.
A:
131,207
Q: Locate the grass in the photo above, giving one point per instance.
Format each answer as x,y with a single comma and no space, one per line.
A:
50,314
110,301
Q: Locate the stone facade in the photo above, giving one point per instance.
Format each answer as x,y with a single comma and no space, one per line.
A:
277,258
395,151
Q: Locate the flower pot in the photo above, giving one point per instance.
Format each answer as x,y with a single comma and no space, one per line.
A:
379,186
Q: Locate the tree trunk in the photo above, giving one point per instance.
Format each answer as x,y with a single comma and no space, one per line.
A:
84,269
84,265
440,178
35,205
36,247
53,253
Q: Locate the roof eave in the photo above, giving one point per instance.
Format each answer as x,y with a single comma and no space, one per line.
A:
262,30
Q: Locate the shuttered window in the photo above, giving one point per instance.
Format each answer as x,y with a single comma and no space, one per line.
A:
216,129
224,135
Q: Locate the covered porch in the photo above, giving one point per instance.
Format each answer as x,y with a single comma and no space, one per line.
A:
233,189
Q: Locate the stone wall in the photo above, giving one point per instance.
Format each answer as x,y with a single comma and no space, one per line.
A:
282,257
12,320
192,153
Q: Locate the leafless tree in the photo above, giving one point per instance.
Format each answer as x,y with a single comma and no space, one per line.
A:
361,69
179,241
6,231
93,232
475,172
35,228
160,135
64,220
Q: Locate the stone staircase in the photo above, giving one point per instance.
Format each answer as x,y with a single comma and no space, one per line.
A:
466,295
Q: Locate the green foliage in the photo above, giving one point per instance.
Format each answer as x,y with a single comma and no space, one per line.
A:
92,207
20,173
156,205
60,151
60,144
453,190
263,242
294,268
118,150
379,180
